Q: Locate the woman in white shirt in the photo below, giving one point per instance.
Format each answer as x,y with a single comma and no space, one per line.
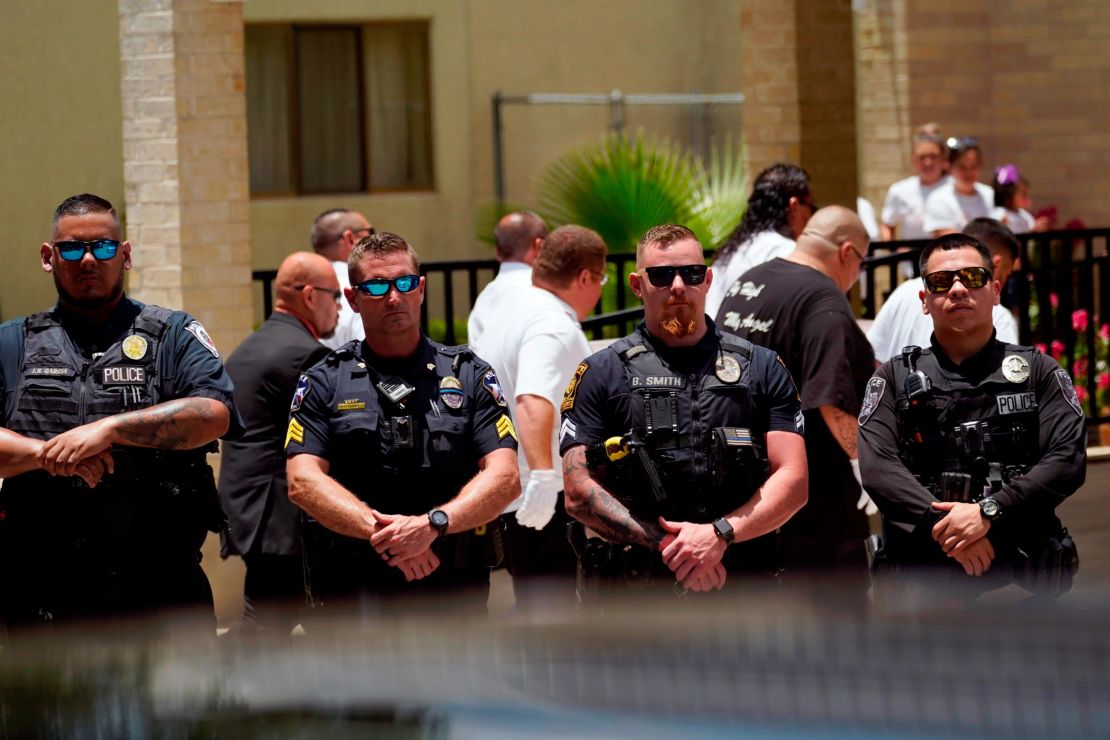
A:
903,215
778,209
963,198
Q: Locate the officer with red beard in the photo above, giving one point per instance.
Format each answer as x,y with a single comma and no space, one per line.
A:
682,447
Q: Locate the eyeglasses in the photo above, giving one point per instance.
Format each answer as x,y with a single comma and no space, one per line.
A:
377,287
336,293
368,229
862,257
74,251
663,276
602,278
942,281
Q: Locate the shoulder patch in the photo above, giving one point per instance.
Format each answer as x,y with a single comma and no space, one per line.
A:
299,394
874,394
572,387
489,382
568,429
1068,390
195,328
295,433
505,428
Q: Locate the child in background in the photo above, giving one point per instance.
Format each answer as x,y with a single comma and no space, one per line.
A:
1012,201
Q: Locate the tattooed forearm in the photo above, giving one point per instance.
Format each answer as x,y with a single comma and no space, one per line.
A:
589,502
174,425
843,427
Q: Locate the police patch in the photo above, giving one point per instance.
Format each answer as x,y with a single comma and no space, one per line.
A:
299,394
1016,403
123,375
875,389
1068,390
572,387
51,372
489,381
198,331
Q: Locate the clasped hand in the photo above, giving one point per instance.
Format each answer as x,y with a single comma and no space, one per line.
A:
83,452
405,542
693,552
962,535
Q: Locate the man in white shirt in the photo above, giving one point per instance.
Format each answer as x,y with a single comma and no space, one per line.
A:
518,237
904,208
778,209
902,321
951,206
536,347
335,232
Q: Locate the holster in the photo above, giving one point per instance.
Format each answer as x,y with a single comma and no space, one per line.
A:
1048,567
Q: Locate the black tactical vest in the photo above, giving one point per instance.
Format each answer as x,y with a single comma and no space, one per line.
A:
675,416
961,439
404,456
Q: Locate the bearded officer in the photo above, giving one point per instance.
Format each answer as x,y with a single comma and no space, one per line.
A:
968,446
681,446
109,406
400,449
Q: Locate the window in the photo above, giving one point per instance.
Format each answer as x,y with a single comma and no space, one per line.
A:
338,109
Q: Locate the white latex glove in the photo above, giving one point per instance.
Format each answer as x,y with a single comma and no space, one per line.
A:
865,504
540,494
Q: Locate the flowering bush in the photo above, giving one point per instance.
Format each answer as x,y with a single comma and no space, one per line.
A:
1082,367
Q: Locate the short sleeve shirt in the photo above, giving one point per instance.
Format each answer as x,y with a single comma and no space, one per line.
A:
497,297
762,247
947,209
904,207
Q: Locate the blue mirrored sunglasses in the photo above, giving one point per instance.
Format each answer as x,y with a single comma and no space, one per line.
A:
74,251
377,287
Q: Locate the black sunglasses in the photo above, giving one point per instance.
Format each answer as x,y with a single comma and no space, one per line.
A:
74,251
941,281
377,287
336,293
662,277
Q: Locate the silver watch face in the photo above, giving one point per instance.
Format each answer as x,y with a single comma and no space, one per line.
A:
439,519
990,507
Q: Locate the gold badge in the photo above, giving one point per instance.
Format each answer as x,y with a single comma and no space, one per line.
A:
451,392
134,347
727,369
1015,369
572,387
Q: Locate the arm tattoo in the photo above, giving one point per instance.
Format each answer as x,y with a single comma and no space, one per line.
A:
843,427
600,510
173,425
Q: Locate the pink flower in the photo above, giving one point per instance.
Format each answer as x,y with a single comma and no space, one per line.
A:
1057,349
1103,381
1081,394
1104,332
1042,348
1079,319
1054,301
1080,367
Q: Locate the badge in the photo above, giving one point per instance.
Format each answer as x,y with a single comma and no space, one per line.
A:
134,347
572,387
489,380
727,369
450,392
198,331
1015,369
568,429
299,394
1068,390
505,428
874,394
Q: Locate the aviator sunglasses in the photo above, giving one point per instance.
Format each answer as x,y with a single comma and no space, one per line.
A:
377,287
941,281
662,277
74,251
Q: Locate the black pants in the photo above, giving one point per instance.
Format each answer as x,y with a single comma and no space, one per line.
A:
541,561
273,594
831,570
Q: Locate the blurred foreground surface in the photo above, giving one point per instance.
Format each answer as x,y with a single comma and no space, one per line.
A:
767,665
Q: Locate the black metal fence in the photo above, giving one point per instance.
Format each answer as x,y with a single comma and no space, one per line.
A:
1060,294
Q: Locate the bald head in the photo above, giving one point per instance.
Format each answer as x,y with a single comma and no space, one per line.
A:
519,236
336,231
306,287
835,242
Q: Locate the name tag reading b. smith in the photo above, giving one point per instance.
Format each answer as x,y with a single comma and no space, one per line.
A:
123,375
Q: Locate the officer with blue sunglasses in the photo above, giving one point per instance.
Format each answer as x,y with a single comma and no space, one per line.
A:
400,450
107,408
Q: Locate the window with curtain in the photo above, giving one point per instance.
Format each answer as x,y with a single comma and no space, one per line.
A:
338,109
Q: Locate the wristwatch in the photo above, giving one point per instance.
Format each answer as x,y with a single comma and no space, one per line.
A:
438,519
989,508
724,530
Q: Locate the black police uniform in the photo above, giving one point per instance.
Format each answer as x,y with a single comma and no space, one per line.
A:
404,435
1004,424
701,414
132,543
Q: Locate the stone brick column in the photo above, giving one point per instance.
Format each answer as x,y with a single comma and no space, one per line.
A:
186,185
769,69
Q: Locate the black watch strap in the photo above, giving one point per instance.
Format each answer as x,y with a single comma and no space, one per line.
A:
439,521
724,530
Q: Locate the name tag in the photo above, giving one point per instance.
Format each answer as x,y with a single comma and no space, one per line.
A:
51,372
123,375
658,381
1016,403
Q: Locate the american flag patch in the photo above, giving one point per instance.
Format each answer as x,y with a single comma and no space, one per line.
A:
736,437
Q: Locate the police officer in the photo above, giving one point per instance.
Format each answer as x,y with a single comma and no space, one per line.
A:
109,406
680,445
968,445
402,448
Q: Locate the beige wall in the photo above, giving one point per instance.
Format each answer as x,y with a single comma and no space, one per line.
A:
1028,77
60,130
